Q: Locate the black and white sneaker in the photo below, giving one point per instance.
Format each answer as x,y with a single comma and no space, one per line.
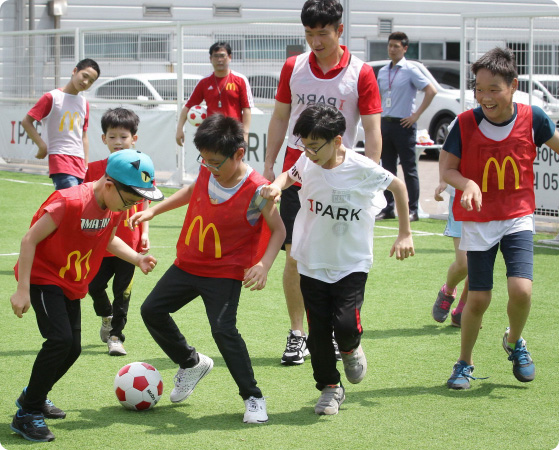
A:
48,409
31,426
295,350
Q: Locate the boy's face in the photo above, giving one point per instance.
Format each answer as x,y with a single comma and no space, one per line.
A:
220,60
224,169
82,80
118,200
320,151
495,96
324,41
118,139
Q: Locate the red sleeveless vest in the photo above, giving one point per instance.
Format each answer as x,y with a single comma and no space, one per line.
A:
503,170
70,257
217,240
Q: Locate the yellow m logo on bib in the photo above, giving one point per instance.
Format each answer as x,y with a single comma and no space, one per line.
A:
202,235
500,173
77,264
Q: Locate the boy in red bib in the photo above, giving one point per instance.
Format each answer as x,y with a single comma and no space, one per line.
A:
230,237
59,255
491,150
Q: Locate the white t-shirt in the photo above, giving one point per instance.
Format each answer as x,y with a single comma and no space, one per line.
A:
333,230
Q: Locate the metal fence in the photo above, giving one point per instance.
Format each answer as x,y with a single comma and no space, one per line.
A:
534,40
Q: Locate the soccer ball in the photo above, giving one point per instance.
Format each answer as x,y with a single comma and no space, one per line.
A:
196,115
138,386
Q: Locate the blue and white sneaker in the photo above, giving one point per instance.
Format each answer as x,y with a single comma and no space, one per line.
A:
523,367
461,376
31,426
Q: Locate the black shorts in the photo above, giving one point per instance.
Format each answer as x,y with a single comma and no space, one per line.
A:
289,207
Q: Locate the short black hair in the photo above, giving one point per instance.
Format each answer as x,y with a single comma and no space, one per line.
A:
220,134
320,121
88,62
317,13
120,118
499,61
399,36
223,44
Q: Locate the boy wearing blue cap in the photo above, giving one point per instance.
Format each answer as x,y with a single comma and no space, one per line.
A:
59,255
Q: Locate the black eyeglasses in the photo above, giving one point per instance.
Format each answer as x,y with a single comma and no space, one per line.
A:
201,161
125,203
299,144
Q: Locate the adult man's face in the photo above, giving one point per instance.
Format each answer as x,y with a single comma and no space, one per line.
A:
396,50
220,61
324,41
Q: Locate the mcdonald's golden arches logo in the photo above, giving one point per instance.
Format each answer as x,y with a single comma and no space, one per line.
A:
77,264
75,117
500,173
202,235
230,87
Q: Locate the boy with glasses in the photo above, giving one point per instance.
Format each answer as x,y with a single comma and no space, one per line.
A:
230,238
225,91
60,253
341,192
119,127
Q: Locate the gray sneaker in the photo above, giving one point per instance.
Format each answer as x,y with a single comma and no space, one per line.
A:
115,346
441,308
106,328
355,365
187,379
330,400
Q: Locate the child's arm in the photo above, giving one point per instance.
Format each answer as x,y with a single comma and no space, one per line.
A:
442,184
273,190
257,275
120,249
403,245
85,141
553,143
40,230
27,124
180,126
144,230
471,191
178,199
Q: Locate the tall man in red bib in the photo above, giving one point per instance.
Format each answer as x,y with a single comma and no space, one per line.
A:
329,74
225,91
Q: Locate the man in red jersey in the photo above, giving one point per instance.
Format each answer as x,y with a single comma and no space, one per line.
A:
225,91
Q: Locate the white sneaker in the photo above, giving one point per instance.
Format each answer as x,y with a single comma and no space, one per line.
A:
355,365
115,346
187,379
106,328
255,410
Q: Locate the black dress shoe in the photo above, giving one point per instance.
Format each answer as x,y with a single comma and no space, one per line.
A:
414,217
385,215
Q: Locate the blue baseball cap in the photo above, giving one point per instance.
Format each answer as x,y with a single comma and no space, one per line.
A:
134,169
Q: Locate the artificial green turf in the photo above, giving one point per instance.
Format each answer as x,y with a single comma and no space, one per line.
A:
403,403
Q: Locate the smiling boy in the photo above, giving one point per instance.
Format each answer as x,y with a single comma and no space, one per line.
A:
491,150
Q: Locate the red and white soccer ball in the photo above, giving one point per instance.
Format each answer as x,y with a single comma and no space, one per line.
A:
197,114
138,386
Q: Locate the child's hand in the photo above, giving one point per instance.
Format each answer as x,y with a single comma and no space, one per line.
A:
179,138
403,247
471,197
256,277
271,192
439,190
144,244
41,152
139,217
146,263
20,303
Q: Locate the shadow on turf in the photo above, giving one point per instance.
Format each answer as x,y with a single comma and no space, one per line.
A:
174,419
426,330
479,389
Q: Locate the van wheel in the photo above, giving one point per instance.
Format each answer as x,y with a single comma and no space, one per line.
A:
440,132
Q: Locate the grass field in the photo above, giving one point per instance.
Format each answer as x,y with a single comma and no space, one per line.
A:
403,403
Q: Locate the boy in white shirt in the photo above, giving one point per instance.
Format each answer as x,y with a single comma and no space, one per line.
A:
341,194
